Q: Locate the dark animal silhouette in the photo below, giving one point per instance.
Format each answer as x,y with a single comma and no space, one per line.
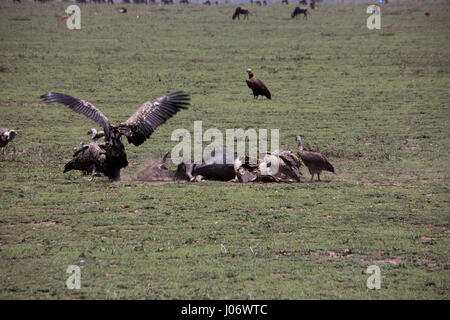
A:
303,2
123,10
239,11
219,166
298,11
137,128
284,2
207,2
314,161
258,3
257,86
312,4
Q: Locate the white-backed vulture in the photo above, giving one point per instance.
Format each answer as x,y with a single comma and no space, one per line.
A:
257,86
6,136
96,135
137,128
87,159
314,161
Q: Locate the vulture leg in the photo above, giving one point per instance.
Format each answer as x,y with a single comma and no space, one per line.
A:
318,176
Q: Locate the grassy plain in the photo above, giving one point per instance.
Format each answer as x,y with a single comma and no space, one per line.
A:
375,102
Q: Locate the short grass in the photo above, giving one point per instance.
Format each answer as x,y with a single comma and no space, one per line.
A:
375,102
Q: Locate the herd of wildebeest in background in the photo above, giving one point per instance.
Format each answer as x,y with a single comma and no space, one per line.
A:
109,157
239,10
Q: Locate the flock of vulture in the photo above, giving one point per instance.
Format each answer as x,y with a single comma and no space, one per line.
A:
109,157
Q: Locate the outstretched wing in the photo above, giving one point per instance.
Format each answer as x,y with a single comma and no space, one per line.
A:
80,106
151,115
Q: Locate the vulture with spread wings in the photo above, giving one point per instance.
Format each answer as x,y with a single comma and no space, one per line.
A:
137,128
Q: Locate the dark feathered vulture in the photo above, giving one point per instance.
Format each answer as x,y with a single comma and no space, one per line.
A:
87,159
314,161
6,136
137,128
257,86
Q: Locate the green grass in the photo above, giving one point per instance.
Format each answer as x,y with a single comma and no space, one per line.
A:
375,102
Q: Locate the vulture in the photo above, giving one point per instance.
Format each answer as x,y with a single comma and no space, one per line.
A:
96,135
123,10
257,86
137,128
288,165
87,155
315,161
89,158
6,136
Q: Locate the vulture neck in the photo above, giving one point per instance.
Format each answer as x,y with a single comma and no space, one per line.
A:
300,146
93,134
250,75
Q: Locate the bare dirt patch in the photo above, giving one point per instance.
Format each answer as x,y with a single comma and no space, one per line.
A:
329,254
44,223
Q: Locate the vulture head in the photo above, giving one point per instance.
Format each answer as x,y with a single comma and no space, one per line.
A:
6,136
250,73
11,134
95,135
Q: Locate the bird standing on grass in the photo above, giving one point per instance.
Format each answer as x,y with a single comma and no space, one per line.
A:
314,161
257,86
137,128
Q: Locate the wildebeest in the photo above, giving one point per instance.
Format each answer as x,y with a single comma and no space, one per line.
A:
207,2
239,11
258,3
224,165
284,2
218,166
298,11
303,2
312,4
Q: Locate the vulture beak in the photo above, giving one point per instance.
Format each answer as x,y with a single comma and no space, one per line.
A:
12,134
